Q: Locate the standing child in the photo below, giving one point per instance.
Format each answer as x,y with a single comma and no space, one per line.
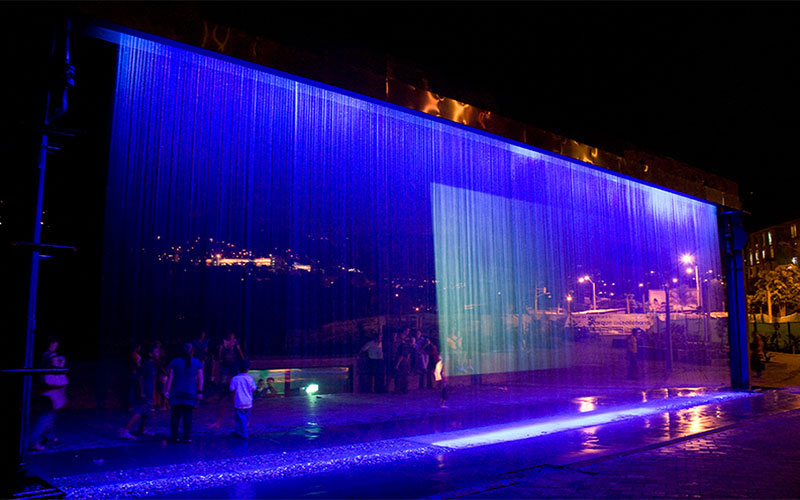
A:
243,387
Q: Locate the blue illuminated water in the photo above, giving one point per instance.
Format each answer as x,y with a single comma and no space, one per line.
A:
302,218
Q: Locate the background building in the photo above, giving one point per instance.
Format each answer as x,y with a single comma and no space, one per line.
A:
774,246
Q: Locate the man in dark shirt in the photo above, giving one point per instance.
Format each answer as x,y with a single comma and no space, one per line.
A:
402,365
145,385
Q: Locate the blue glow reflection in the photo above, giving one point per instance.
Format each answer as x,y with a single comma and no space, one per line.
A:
515,432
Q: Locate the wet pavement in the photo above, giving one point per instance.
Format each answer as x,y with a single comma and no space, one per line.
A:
390,446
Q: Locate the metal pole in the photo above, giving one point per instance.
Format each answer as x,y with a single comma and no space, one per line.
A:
30,329
32,289
697,283
669,330
734,239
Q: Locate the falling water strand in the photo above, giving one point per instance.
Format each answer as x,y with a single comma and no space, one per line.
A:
302,218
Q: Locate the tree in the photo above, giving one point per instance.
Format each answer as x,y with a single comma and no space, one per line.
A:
779,286
684,296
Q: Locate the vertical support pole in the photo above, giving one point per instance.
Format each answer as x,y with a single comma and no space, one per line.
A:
668,326
30,329
733,242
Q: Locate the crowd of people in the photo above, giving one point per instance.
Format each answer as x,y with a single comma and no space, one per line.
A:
179,384
406,356
156,382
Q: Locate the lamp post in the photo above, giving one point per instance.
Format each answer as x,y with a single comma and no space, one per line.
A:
594,290
644,300
667,325
689,260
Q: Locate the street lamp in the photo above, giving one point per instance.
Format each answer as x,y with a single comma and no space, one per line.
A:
689,260
594,290
644,300
569,303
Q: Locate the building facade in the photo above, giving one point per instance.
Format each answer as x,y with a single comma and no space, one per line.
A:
777,245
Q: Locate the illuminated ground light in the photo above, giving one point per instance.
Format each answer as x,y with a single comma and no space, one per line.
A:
516,431
193,476
204,474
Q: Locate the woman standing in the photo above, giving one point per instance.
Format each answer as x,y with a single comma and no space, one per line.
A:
184,389
162,374
230,355
53,398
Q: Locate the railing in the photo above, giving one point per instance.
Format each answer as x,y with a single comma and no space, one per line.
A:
778,337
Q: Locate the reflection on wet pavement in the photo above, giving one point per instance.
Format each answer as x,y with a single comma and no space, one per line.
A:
519,430
356,459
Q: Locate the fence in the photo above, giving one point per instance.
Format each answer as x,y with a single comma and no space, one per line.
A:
778,337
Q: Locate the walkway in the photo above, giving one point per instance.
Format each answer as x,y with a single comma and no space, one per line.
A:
390,446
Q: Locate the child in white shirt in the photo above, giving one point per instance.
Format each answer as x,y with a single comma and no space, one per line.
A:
243,386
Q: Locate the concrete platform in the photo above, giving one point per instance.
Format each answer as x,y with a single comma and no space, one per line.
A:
396,446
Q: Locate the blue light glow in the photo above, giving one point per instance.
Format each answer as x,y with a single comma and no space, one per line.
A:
202,474
300,218
503,433
198,475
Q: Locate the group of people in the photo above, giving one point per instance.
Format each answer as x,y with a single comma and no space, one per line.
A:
407,354
180,384
183,386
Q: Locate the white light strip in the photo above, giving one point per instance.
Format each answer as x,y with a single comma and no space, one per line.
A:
483,436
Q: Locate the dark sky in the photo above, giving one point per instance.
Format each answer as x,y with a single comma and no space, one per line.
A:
715,85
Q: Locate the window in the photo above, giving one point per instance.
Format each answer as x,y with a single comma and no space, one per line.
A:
771,252
793,231
769,237
794,260
751,258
